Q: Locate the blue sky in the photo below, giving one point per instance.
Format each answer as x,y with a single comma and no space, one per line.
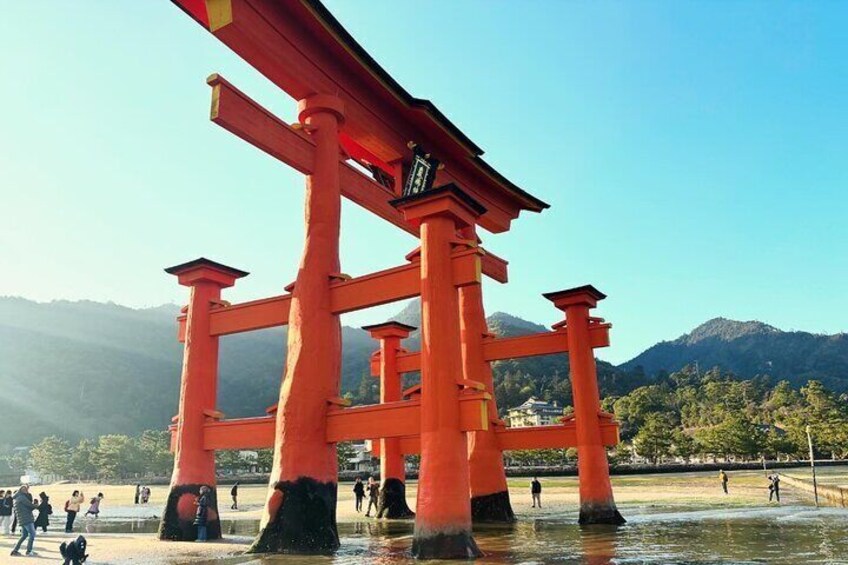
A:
694,154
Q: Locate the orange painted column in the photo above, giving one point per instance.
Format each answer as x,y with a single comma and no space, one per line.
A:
392,503
300,512
597,505
489,493
443,509
194,466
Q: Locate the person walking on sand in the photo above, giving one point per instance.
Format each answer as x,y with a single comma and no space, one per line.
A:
15,514
23,512
44,512
145,495
373,495
774,487
72,507
202,514
6,510
94,506
234,494
359,493
536,492
137,493
722,476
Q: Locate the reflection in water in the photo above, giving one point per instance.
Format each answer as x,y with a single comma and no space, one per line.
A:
653,535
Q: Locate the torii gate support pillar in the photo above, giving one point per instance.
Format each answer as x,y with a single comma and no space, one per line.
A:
300,512
194,466
443,509
489,492
392,503
597,505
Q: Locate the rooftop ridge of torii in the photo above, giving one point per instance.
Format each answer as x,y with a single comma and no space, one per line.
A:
349,108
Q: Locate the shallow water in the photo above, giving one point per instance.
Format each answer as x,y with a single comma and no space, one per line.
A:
786,534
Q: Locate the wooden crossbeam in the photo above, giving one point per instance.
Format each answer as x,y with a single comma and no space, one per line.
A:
512,439
496,349
357,293
281,41
551,437
399,419
240,115
391,419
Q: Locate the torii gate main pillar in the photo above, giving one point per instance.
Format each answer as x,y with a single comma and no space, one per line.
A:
443,509
194,466
300,512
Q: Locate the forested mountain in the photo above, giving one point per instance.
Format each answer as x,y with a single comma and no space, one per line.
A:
748,349
82,369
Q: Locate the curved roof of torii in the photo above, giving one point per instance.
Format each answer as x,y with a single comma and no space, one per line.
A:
302,48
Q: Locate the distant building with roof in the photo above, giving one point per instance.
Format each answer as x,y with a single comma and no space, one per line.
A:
534,412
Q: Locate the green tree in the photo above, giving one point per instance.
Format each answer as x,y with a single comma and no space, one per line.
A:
684,445
655,438
51,456
265,460
344,453
229,460
82,465
155,446
117,457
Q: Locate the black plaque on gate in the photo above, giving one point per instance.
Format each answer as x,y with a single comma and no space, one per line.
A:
422,173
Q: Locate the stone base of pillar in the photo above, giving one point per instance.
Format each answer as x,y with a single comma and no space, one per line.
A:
177,522
392,503
492,508
460,545
305,522
600,513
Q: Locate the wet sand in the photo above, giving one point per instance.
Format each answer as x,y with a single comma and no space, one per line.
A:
686,491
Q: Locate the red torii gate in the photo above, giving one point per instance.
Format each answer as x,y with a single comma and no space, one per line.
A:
350,108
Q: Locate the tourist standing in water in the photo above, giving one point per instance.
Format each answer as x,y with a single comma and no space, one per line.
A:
359,493
536,492
722,476
94,508
373,495
44,512
23,512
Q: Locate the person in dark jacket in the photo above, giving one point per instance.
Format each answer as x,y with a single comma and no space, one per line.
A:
373,495
234,494
137,493
14,514
44,511
6,511
23,512
536,492
202,515
359,493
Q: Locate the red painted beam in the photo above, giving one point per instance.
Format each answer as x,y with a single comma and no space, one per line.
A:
551,437
292,45
511,347
357,293
391,419
240,115
399,419
535,437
